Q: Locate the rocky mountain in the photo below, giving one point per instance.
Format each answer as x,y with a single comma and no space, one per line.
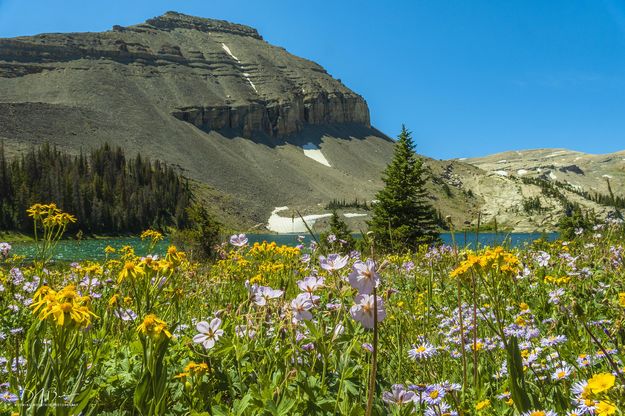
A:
261,133
253,125
509,182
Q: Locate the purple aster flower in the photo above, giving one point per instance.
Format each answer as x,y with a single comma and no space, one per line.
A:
17,276
238,240
125,315
333,262
308,347
209,333
553,340
364,277
8,397
434,394
363,310
423,351
331,238
539,412
367,347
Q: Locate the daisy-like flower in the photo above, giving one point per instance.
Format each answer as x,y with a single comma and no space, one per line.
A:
434,394
422,351
8,397
584,360
398,395
238,240
362,311
555,295
364,277
333,262
209,333
301,307
441,409
552,340
539,413
561,373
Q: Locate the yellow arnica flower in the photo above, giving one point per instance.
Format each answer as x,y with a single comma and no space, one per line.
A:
153,327
131,270
495,259
482,405
64,307
621,299
194,368
152,235
601,382
605,408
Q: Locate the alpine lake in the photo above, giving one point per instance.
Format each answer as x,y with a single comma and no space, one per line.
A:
93,249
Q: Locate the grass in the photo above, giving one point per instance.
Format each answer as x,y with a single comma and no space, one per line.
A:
493,332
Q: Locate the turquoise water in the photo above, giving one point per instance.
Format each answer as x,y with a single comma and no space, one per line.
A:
72,250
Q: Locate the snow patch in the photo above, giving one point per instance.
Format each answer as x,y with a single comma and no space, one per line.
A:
245,74
554,154
229,52
501,172
293,224
553,176
521,172
464,158
247,77
502,161
313,151
606,176
353,214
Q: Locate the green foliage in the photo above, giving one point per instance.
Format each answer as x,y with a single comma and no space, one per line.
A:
336,204
202,234
106,191
403,217
575,219
338,238
532,205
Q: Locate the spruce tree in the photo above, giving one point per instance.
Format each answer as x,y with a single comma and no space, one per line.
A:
402,216
341,240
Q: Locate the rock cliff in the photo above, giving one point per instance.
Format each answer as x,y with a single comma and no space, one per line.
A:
246,121
229,78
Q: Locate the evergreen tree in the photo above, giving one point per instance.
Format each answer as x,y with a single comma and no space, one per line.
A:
403,217
339,237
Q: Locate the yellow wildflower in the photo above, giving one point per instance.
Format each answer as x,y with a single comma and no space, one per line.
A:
153,327
482,405
605,408
131,270
65,307
601,382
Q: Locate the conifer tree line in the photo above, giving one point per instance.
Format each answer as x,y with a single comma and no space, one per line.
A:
107,192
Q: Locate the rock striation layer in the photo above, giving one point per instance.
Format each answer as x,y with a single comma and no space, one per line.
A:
224,75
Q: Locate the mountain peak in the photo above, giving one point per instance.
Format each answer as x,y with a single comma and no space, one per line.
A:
172,20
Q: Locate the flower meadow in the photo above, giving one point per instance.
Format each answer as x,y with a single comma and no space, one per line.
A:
277,330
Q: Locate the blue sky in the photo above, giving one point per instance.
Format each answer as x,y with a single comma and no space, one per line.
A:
467,77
